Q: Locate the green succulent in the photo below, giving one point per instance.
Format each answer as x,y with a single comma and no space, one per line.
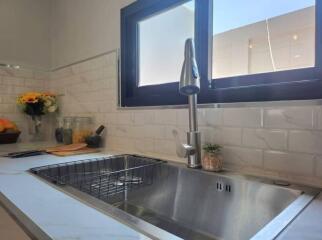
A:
212,148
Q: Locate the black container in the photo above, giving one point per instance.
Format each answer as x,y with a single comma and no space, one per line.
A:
7,138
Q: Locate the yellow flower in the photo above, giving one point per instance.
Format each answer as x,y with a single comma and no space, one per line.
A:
29,97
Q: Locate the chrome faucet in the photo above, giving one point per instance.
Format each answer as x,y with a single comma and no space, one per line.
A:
190,86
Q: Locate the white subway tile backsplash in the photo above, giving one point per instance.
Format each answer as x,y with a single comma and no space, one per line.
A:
231,136
19,73
289,118
33,83
144,117
277,141
144,146
243,157
7,108
318,168
295,163
125,118
212,117
40,75
265,138
166,117
13,81
165,147
211,135
305,141
242,117
180,130
182,117
318,117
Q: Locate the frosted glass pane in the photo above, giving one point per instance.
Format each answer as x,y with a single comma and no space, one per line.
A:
252,36
161,44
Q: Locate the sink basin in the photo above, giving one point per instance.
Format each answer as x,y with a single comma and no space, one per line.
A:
190,204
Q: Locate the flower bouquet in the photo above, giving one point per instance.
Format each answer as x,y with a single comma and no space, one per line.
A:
36,104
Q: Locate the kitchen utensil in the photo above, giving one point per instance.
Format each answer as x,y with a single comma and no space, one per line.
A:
95,140
22,154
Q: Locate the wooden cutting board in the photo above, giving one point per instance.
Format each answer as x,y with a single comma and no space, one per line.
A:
85,150
67,148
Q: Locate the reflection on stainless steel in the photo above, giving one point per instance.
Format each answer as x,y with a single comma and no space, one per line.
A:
193,204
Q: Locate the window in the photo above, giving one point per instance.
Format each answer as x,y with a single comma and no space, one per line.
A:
161,40
271,37
246,50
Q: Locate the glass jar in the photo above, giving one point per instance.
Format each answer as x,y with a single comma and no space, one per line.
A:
59,130
68,130
82,129
212,162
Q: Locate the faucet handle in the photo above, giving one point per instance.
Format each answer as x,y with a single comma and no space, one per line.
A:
183,150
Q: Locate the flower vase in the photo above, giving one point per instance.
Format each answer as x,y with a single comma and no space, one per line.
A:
35,128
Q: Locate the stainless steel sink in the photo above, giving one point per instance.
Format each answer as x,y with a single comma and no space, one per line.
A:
193,204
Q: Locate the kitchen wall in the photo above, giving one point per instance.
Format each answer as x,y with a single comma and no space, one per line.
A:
12,83
25,33
83,29
282,142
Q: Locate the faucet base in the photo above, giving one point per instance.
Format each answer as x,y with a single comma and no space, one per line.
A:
194,140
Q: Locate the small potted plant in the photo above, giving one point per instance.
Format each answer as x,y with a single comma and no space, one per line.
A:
212,159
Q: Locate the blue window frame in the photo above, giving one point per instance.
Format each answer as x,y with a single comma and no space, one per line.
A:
296,84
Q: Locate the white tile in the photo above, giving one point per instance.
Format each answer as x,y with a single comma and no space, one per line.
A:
289,118
125,118
144,117
180,130
242,117
213,117
62,73
243,157
24,73
318,169
318,117
144,145
211,135
117,130
166,117
29,82
265,138
121,143
112,118
305,141
13,81
5,72
150,131
40,75
294,163
110,72
8,99
165,147
182,117
7,108
232,136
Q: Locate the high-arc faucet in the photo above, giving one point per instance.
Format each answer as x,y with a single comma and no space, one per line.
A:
190,86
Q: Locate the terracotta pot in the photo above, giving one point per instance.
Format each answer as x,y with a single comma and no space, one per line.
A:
212,162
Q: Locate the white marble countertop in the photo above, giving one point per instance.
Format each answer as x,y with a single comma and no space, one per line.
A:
63,217
57,214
